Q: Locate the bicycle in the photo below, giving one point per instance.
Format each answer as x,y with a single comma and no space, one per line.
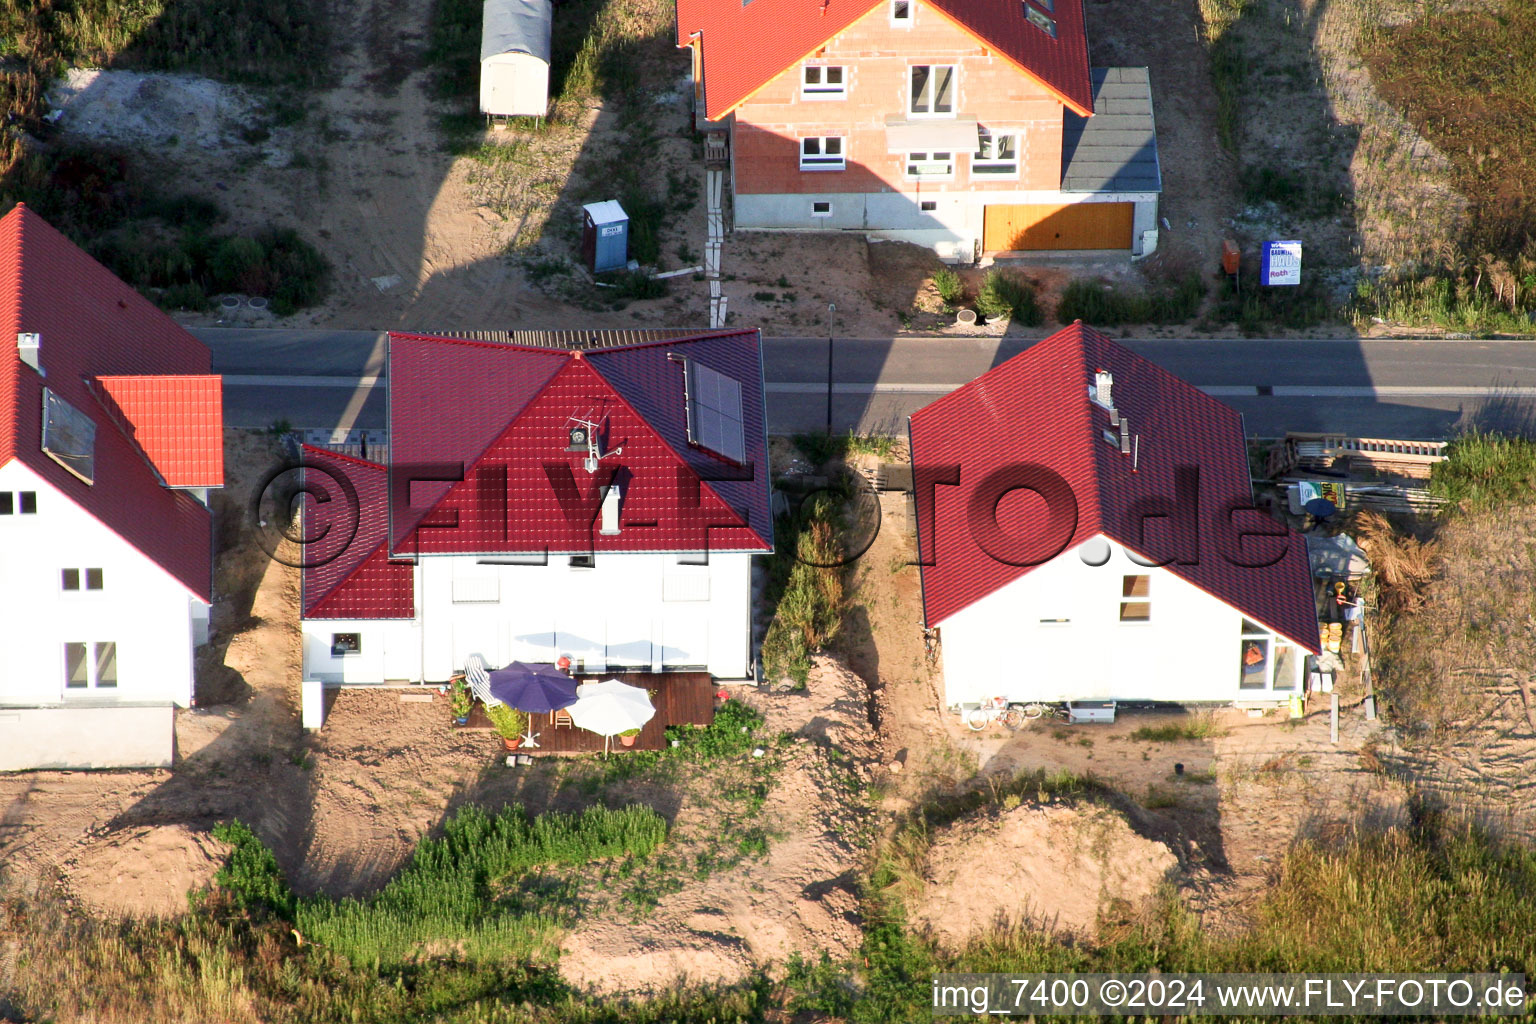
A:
1035,710
997,711
931,646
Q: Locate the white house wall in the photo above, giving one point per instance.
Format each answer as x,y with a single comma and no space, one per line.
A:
951,230
629,611
151,617
1189,651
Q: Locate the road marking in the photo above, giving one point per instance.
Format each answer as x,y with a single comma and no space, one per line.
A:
1214,390
255,380
367,383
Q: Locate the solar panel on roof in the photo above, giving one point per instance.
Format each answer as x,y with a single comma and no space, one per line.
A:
69,436
714,412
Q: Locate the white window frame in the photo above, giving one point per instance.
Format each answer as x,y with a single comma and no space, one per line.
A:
821,160
821,213
93,651
992,168
337,651
909,6
1275,649
911,159
928,90
821,89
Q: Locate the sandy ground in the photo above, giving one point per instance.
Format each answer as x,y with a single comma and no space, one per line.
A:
801,898
1055,868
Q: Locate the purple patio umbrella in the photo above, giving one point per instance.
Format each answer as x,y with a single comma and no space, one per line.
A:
539,687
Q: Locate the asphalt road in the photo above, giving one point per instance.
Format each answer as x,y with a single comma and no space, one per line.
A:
1410,389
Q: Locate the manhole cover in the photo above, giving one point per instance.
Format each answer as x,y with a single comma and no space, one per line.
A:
257,302
231,302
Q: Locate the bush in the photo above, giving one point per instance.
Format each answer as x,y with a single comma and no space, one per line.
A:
239,264
1004,294
1103,305
188,295
251,875
300,273
950,285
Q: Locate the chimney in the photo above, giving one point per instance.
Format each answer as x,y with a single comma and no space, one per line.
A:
611,498
30,348
1103,386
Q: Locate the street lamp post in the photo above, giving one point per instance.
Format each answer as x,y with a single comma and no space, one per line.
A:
831,309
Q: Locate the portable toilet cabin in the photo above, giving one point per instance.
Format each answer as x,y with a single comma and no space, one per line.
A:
514,58
605,236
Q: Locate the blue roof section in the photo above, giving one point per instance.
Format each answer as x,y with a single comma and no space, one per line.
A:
1115,150
651,380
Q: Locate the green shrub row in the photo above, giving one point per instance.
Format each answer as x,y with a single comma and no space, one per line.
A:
443,900
1005,294
192,264
1103,305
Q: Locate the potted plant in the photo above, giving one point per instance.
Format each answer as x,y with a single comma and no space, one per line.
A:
509,722
461,701
627,737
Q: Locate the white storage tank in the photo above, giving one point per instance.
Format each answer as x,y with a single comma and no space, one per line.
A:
514,58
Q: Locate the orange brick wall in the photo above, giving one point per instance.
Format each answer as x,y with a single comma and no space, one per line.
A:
875,56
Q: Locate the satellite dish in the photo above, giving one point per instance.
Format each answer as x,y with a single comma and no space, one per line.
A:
1322,508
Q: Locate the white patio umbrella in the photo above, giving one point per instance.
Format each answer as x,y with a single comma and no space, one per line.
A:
611,707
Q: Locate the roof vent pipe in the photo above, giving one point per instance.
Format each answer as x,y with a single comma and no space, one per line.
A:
30,348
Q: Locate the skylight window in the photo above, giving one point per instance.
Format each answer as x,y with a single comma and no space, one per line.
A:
69,436
1039,19
714,411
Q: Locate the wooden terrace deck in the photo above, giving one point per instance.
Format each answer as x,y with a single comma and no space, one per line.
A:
681,698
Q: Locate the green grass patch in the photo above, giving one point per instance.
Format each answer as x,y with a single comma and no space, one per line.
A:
1100,304
1200,727
1485,471
1456,298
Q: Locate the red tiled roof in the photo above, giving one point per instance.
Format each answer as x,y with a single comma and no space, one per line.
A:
348,573
497,416
94,325
486,425
177,420
1034,410
744,46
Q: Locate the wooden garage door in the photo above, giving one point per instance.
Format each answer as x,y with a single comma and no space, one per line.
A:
1074,226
